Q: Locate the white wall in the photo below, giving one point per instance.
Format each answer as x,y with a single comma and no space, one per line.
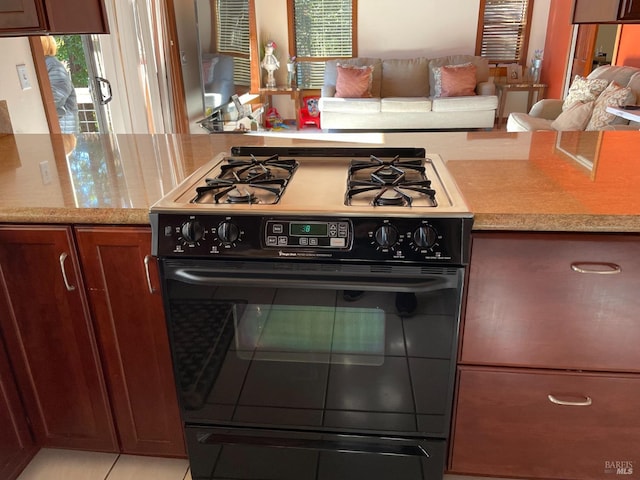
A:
25,106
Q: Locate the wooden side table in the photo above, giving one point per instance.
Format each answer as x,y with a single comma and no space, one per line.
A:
505,88
266,95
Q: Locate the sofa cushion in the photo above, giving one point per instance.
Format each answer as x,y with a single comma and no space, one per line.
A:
405,104
331,72
576,117
613,96
584,90
634,84
481,63
457,80
464,104
522,122
349,105
353,81
405,77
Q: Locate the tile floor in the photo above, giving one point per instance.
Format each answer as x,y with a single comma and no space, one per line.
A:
55,464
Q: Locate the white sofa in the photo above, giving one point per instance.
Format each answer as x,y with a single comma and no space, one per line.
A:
403,97
544,112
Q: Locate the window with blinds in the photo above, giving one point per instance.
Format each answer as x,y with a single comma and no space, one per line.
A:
232,36
503,30
322,29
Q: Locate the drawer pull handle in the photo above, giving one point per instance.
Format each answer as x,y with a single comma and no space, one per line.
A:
147,259
584,403
600,268
63,257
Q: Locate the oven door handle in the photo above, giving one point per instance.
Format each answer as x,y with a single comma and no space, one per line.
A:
311,279
330,443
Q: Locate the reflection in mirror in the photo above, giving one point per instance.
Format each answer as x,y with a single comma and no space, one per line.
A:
224,50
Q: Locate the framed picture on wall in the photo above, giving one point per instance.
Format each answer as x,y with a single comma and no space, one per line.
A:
514,73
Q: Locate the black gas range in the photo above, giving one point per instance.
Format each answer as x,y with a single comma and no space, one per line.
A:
312,298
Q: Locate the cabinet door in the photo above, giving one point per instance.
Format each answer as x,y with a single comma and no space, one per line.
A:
16,443
540,424
595,11
46,325
630,10
21,15
552,300
132,331
73,16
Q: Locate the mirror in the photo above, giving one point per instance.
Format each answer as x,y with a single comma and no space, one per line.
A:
223,50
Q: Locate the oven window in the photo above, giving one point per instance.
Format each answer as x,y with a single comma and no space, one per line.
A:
310,334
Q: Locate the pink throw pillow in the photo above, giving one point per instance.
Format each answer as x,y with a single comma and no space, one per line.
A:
354,82
458,80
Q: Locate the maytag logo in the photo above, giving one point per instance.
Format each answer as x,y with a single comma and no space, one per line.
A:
618,467
286,254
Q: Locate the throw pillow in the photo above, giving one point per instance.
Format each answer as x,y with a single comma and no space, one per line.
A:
584,90
576,117
353,81
458,80
613,96
437,77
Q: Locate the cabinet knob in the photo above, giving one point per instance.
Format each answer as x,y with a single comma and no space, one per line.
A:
582,403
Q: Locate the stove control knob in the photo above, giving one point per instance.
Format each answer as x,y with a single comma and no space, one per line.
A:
386,236
192,231
228,232
425,236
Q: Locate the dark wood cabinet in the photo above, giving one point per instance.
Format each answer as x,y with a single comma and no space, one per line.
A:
34,17
547,424
606,11
549,363
124,293
16,443
45,323
629,10
21,16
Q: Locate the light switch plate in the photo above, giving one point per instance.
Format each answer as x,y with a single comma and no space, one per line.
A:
23,77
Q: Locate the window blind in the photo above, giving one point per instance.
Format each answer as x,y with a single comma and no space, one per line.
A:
323,30
232,27
504,30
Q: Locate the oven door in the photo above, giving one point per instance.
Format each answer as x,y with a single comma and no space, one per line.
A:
333,363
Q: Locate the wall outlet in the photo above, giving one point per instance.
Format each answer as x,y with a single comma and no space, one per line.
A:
23,77
44,172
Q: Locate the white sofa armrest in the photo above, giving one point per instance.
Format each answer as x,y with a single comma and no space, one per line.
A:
486,88
548,108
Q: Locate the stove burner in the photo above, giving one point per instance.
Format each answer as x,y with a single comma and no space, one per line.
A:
394,182
248,181
238,191
255,169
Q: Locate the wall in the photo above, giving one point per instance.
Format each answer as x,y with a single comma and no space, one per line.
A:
559,34
25,106
628,50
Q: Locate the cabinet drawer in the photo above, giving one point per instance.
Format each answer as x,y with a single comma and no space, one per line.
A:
507,425
529,305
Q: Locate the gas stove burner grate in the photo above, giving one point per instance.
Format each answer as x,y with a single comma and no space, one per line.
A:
218,190
248,181
395,182
258,169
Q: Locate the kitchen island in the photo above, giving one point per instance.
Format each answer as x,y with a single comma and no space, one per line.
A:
550,209
535,181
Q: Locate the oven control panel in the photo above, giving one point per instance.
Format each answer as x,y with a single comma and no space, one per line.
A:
333,234
406,239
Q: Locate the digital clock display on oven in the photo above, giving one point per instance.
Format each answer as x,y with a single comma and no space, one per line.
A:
312,229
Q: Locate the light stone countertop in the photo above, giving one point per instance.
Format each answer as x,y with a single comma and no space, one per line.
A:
540,181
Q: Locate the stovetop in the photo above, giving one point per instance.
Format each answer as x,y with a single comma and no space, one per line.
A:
316,204
317,182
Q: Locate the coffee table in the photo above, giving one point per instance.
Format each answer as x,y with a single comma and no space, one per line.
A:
629,114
